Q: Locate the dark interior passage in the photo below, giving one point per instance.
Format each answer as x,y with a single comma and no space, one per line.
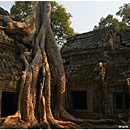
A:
121,102
79,99
9,104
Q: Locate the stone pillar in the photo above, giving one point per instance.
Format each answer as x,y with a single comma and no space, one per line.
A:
0,102
90,98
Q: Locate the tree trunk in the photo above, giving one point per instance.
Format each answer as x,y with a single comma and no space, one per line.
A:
36,33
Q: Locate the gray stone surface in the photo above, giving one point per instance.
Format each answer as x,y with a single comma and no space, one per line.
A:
82,54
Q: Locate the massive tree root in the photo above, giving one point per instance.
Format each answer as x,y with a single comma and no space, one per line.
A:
45,57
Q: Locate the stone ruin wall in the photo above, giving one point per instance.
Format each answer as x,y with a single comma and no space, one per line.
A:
82,55
10,66
10,71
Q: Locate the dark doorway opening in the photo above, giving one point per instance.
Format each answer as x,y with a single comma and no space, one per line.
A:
9,104
79,99
121,102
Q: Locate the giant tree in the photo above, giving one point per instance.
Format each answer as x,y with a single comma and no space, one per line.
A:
34,88
60,18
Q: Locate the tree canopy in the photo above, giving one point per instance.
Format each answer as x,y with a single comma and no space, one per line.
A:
124,12
109,20
61,22
60,19
21,8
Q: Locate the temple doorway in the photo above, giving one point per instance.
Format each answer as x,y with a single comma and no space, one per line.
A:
9,104
79,99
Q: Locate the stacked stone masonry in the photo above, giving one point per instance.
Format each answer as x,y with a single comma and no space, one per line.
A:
98,63
10,66
10,71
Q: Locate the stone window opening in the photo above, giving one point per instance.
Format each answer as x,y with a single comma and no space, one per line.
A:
79,100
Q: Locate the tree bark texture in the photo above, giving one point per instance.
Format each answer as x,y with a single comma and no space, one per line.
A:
36,33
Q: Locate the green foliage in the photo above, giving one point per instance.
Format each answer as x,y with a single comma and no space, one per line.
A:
21,8
110,21
124,12
60,19
61,22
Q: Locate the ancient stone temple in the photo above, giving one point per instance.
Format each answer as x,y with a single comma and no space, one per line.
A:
10,70
97,65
